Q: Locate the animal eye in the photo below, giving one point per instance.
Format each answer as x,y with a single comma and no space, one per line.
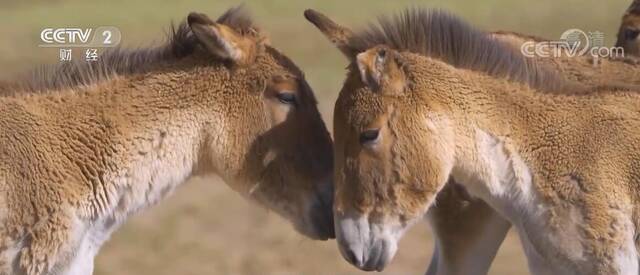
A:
369,136
287,97
631,34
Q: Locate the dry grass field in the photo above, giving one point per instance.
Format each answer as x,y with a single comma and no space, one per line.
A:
204,227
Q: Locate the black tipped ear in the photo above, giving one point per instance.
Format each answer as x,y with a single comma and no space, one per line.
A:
199,18
340,36
381,71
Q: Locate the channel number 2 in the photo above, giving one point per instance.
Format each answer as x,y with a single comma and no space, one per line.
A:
107,37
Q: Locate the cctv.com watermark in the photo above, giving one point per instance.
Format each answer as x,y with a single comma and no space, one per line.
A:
572,43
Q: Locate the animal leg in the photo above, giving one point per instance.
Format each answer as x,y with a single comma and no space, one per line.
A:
468,233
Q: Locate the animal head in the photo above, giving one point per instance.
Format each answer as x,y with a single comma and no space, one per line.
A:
270,143
393,149
628,34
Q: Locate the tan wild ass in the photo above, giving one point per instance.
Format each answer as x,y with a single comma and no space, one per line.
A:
468,232
83,146
560,168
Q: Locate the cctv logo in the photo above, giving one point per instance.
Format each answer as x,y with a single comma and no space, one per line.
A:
104,36
65,36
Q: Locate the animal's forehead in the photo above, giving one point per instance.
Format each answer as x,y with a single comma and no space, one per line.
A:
284,82
285,73
632,19
279,60
360,107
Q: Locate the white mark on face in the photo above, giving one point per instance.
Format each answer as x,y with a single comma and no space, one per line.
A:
368,246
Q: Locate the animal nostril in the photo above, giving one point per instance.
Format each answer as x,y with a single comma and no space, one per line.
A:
351,257
330,227
369,136
322,217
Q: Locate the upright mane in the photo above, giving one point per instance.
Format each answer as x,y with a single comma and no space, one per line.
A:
443,36
180,43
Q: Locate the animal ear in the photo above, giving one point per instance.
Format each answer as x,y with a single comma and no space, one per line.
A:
338,35
221,40
381,70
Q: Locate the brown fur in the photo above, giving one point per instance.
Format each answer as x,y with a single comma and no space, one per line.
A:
82,147
428,130
551,136
462,224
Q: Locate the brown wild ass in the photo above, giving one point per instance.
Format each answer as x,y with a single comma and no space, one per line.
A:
83,146
411,114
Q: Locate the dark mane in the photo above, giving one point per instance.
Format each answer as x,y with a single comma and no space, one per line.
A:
443,36
180,43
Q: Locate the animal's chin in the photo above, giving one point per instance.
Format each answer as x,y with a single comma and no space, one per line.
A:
317,221
313,232
310,213
316,237
313,219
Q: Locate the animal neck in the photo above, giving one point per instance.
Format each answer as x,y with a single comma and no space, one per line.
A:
492,170
489,117
144,136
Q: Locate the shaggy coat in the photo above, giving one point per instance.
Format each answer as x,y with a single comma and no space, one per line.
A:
555,158
85,145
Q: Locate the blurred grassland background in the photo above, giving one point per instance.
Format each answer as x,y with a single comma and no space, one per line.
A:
205,228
